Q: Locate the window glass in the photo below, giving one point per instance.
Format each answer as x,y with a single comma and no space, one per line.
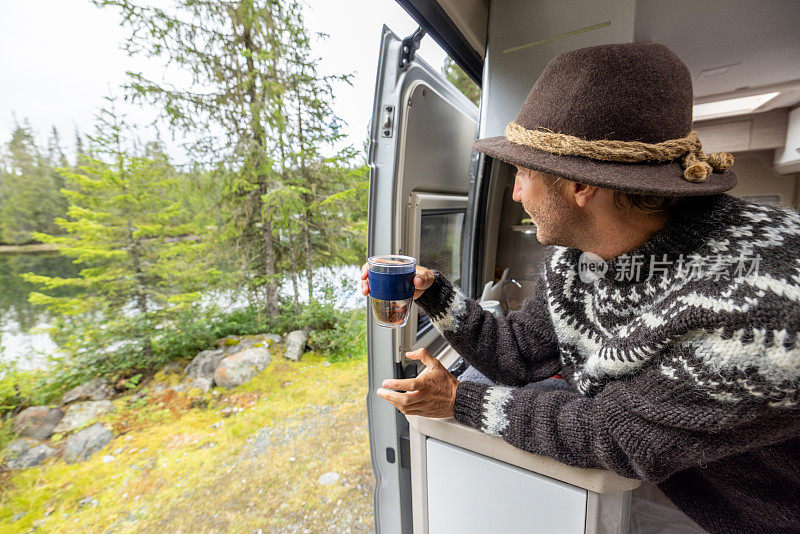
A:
440,249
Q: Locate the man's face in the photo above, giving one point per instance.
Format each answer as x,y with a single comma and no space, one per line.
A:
558,222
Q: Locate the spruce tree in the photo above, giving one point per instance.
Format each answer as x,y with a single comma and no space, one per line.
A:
141,264
30,196
231,50
318,168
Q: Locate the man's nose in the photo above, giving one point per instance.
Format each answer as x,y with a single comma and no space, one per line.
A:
517,194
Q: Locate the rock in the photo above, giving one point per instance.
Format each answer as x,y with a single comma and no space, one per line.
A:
295,344
271,339
82,413
108,458
19,446
26,452
200,372
326,363
172,367
234,344
82,444
240,367
328,478
203,384
95,389
37,422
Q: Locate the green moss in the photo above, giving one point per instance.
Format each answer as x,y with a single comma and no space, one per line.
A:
169,476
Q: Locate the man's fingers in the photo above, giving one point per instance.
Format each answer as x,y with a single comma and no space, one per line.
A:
403,384
365,279
401,400
423,279
422,355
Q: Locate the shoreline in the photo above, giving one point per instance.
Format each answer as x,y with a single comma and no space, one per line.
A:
36,248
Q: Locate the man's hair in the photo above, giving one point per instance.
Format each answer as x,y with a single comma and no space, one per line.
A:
650,204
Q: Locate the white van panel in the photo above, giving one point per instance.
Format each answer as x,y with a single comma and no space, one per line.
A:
471,493
548,28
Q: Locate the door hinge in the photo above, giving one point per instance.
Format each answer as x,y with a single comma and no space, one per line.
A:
409,47
387,121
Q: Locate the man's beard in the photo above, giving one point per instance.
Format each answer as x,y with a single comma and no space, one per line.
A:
557,223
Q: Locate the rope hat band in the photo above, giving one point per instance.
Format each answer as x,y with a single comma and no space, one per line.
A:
697,164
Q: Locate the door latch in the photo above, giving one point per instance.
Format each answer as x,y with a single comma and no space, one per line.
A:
387,121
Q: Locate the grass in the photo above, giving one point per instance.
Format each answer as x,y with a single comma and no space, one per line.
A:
189,461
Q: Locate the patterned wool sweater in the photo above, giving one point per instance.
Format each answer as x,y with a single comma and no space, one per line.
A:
687,379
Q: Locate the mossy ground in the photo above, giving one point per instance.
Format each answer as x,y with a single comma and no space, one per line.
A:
223,461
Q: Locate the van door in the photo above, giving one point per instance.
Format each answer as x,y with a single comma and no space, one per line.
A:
420,148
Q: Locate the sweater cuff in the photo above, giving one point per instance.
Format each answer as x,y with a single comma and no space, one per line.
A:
444,304
483,407
469,402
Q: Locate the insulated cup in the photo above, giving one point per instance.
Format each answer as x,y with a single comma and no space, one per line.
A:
391,288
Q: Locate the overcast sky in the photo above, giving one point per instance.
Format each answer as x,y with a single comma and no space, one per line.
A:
59,58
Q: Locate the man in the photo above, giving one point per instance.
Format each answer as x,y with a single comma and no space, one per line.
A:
672,311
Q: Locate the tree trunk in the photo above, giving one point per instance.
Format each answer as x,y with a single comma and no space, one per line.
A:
135,252
309,261
257,155
270,285
295,285
307,201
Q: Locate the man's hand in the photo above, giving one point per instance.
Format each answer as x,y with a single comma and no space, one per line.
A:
422,280
431,394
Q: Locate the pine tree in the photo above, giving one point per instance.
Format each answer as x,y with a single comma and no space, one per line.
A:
231,49
30,196
128,230
316,170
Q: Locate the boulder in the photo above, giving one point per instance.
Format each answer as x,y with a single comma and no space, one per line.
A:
95,389
295,344
26,452
37,422
81,413
234,344
200,371
240,367
82,444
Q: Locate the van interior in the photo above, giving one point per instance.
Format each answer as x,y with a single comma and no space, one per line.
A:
457,216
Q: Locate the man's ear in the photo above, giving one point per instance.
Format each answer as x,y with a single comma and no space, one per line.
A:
583,193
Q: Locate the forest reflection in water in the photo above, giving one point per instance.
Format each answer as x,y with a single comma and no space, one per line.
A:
19,320
17,315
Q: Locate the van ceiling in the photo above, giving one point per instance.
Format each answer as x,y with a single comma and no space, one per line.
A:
729,46
471,18
758,41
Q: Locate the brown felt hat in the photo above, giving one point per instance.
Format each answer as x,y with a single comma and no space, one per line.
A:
632,92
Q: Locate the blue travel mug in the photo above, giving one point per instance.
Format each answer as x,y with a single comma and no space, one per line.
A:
391,288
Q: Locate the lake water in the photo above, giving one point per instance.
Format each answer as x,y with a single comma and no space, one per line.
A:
21,340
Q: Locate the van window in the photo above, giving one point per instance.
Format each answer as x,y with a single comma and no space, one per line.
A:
441,232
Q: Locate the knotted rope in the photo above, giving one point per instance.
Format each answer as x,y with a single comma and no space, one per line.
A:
697,164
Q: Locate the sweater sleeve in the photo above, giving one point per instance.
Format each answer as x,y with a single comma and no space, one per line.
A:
513,350
648,427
